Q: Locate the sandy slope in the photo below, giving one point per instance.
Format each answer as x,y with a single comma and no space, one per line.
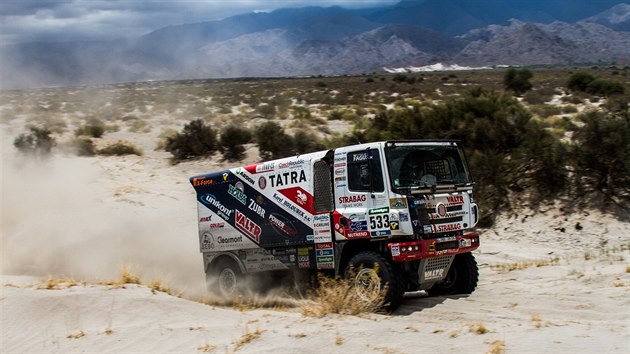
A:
541,289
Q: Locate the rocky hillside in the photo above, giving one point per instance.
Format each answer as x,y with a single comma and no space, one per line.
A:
331,41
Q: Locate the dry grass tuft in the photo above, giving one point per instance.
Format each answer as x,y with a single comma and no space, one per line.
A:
108,331
508,267
76,335
248,302
628,269
477,328
128,277
206,348
537,321
58,283
498,347
337,295
338,340
156,285
298,335
247,337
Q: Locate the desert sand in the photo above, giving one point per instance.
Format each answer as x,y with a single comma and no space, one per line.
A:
546,283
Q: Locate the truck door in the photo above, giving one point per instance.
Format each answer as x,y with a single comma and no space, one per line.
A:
361,202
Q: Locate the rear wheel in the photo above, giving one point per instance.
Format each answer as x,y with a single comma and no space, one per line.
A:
225,279
371,273
461,279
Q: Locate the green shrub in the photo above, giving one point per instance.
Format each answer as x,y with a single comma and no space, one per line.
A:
601,153
305,142
197,139
232,140
84,146
579,81
605,87
273,142
38,141
94,130
120,148
517,80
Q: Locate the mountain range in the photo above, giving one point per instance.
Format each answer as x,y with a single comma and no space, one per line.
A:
336,41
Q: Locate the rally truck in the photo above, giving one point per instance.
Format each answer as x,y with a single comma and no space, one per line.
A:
391,215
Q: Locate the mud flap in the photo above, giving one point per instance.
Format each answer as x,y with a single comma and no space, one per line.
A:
433,270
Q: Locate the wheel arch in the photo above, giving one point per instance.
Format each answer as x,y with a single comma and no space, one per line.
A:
228,257
349,249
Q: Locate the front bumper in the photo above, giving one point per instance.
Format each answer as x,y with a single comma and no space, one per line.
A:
437,247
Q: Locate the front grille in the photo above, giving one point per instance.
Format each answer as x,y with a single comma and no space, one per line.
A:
438,263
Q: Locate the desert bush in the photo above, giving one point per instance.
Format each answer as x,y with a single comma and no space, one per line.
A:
305,142
120,148
37,142
404,78
601,153
586,82
94,130
232,140
139,126
84,146
196,139
517,80
273,142
579,81
605,87
546,110
266,110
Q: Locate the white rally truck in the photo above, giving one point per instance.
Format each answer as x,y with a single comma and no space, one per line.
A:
400,212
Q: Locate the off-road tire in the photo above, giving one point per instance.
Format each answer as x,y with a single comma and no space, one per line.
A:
225,279
387,273
461,279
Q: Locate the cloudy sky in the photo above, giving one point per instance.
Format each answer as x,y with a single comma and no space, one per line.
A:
63,20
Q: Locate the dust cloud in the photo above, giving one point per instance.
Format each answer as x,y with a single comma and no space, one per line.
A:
86,218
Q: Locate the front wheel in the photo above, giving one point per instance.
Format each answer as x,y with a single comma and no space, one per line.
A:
461,278
370,274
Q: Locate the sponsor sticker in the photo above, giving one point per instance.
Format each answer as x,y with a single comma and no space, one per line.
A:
281,225
246,225
256,208
381,233
455,199
395,250
198,182
211,200
379,211
321,246
287,178
447,227
352,199
398,203
358,226
238,192
241,172
291,164
262,182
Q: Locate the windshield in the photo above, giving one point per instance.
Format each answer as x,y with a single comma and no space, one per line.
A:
423,166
